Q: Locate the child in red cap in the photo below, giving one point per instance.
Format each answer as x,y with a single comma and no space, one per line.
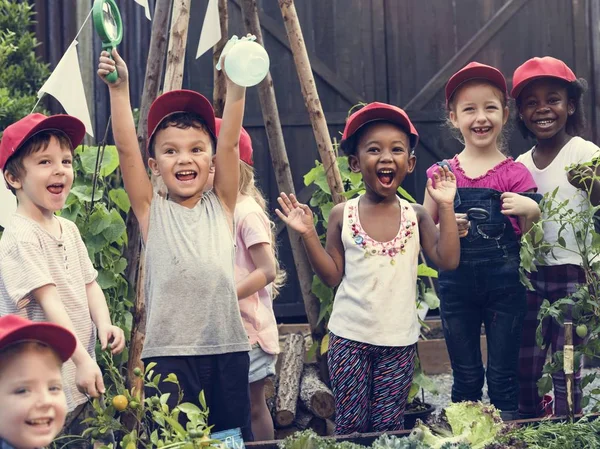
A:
372,252
258,279
45,271
193,324
493,210
33,405
550,106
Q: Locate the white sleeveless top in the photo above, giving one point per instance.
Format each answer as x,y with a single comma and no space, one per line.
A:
375,303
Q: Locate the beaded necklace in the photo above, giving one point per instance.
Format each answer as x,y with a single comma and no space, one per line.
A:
375,248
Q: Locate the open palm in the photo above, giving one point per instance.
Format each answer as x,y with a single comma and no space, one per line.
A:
296,215
443,189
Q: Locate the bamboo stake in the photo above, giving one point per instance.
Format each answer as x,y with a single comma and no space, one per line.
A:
568,367
311,99
220,84
283,174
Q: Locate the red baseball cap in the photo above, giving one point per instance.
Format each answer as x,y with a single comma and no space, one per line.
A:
180,101
380,111
475,70
16,134
13,329
534,68
245,143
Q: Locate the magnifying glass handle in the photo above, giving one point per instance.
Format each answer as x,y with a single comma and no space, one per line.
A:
112,77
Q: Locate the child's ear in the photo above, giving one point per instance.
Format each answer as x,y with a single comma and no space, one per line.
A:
412,161
353,163
213,160
453,120
12,181
571,107
506,115
153,166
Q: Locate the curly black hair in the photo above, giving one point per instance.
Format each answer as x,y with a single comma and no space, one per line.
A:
576,123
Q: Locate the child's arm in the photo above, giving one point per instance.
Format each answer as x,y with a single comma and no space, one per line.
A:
327,262
107,333
263,275
524,208
227,165
441,245
88,375
135,176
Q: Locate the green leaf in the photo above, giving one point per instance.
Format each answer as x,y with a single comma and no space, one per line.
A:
424,270
407,196
120,265
106,279
544,385
326,210
172,378
310,177
98,220
202,399
110,160
84,193
116,228
189,409
178,428
164,398
321,291
325,344
121,199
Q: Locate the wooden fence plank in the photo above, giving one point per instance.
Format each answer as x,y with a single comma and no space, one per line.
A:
465,54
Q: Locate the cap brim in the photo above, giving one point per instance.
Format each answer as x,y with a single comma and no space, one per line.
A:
384,114
516,90
57,337
180,101
484,73
71,126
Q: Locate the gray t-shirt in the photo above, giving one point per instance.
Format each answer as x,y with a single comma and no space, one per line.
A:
191,300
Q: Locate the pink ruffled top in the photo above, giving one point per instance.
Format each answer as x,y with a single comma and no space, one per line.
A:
507,176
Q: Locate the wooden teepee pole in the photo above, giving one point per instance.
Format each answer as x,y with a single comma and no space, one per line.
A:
220,83
135,272
283,174
311,99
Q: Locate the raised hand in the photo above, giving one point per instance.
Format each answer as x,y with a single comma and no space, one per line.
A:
107,65
443,187
296,215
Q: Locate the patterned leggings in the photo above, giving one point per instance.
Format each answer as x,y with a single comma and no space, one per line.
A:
370,385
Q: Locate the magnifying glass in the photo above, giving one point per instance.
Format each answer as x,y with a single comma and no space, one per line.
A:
109,26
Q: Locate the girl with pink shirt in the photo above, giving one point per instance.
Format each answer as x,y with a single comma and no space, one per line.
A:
492,210
257,277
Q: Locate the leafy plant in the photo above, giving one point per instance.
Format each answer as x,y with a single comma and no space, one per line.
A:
584,303
100,214
22,72
156,425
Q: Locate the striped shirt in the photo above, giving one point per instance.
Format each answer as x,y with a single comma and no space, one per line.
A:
30,258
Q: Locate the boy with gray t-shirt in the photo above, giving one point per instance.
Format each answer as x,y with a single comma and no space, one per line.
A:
193,327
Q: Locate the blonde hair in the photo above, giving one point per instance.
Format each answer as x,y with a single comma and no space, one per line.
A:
248,188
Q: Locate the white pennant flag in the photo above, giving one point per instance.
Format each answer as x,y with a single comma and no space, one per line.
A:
8,203
144,3
66,85
211,29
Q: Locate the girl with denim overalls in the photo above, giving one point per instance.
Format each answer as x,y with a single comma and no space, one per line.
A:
550,105
492,210
372,252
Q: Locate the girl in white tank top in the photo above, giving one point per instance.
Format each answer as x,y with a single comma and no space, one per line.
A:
372,254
